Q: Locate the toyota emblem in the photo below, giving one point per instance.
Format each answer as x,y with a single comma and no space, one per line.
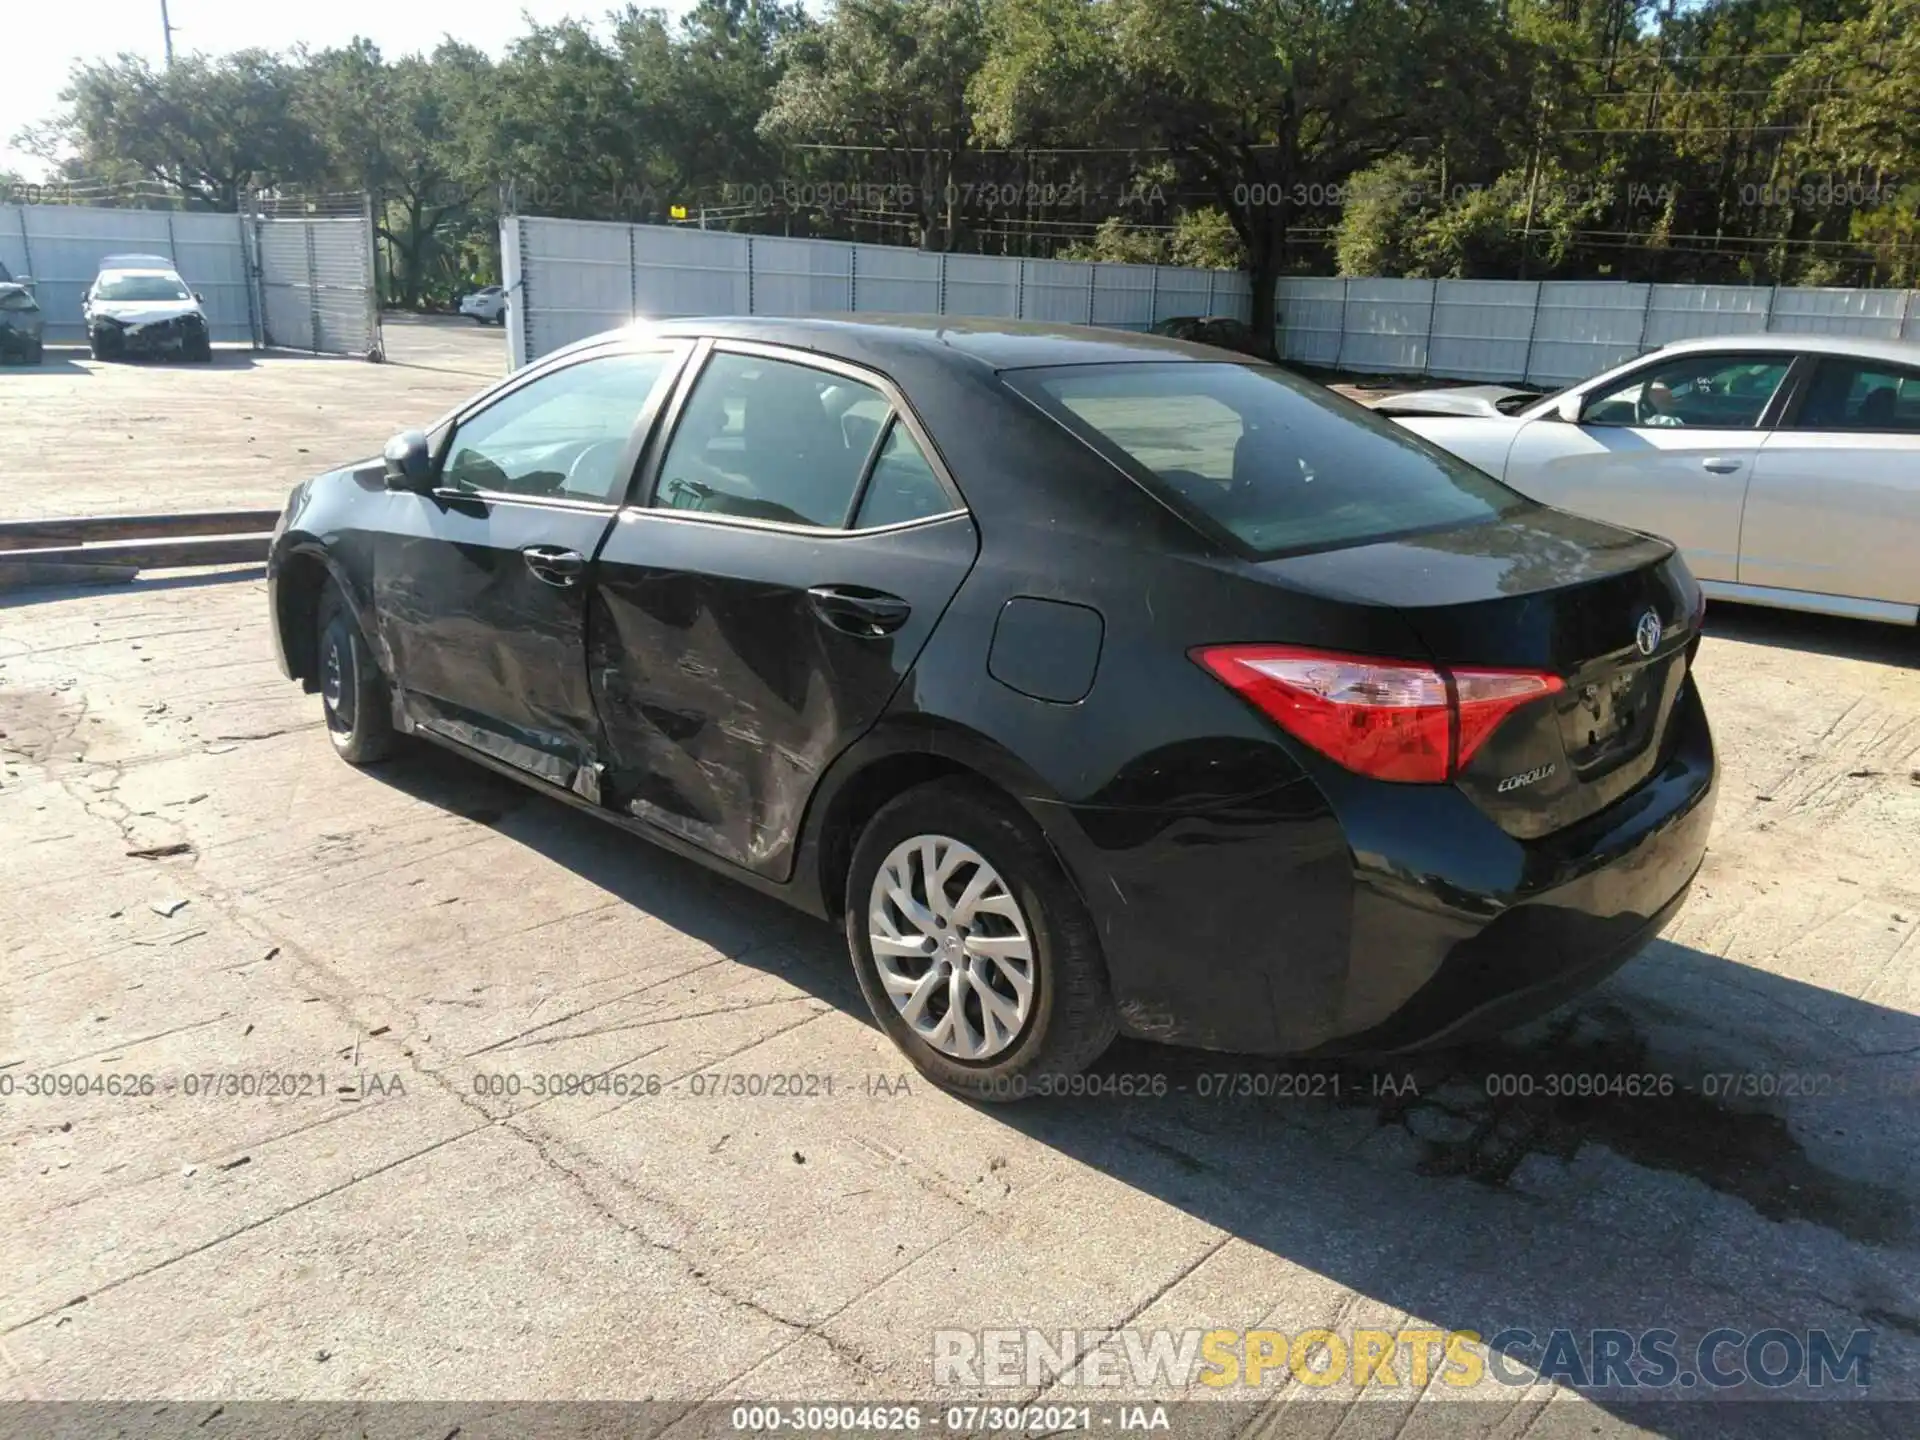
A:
1646,635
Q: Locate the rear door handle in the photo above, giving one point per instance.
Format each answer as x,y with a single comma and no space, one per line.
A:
1722,464
868,614
555,566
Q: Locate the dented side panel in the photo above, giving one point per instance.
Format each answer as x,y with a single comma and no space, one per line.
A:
724,691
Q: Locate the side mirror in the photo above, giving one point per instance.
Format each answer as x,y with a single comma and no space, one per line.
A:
1567,408
409,465
199,299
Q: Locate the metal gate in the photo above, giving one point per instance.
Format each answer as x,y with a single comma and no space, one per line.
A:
317,288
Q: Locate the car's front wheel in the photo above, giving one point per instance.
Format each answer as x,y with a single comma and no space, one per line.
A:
974,952
353,692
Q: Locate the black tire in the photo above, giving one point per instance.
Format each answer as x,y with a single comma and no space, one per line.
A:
37,352
200,352
1071,1019
353,692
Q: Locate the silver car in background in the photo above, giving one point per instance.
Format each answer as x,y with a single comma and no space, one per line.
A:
139,305
1787,467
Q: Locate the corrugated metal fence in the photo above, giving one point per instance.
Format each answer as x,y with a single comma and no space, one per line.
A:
568,279
1551,332
298,282
61,247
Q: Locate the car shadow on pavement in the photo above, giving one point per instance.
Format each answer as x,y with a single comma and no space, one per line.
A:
71,360
1697,1144
1821,634
53,361
140,582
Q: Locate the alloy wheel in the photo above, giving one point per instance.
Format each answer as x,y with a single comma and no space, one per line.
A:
951,946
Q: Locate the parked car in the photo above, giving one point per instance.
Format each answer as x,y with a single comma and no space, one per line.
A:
22,325
1094,682
488,305
1222,331
1786,466
139,305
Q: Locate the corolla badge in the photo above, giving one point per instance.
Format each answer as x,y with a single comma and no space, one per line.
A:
1526,778
1646,635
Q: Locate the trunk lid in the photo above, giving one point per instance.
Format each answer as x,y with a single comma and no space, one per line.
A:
1540,590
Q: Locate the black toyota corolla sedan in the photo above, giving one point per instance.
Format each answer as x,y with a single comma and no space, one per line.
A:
1097,682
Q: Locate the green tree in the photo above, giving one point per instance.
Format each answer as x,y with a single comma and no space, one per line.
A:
395,130
208,129
891,75
1264,105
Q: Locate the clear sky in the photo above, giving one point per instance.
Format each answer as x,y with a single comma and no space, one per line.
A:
45,37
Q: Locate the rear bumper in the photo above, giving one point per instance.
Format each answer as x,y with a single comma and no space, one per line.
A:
1496,981
1351,917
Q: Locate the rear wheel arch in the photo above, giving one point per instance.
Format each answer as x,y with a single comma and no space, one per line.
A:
863,795
903,765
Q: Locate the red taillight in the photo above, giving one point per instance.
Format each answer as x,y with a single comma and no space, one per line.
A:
1391,719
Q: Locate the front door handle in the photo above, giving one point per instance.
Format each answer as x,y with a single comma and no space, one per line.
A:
1722,464
868,614
554,566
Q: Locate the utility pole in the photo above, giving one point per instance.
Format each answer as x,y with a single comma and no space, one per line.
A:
166,31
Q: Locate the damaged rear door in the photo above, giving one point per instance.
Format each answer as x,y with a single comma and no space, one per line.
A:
796,543
481,585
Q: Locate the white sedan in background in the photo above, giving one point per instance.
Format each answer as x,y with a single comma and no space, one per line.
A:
1787,467
488,305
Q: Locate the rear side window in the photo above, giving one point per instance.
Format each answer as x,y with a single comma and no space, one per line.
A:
1861,395
903,486
769,440
1263,459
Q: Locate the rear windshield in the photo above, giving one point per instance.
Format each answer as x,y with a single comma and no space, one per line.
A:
1261,458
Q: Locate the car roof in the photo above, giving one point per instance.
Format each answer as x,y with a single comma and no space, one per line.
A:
1901,352
993,343
135,262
